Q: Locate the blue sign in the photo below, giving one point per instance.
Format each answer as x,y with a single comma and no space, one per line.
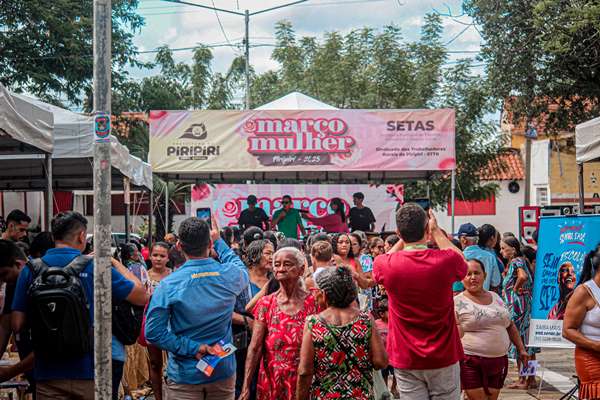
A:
563,244
102,127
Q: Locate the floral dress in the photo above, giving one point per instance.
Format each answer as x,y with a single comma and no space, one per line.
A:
519,304
281,354
343,369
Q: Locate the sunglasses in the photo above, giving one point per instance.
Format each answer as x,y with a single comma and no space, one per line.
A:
286,202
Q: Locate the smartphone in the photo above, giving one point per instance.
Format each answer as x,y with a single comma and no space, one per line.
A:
423,202
204,213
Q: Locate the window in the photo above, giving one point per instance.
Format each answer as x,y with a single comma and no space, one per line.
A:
541,196
481,207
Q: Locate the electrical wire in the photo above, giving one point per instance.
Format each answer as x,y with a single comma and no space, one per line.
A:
235,51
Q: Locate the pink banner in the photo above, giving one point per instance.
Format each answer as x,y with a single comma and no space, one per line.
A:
316,140
228,201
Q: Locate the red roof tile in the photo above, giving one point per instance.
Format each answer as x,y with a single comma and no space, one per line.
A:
507,166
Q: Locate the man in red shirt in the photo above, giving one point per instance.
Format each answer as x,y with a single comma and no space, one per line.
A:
423,340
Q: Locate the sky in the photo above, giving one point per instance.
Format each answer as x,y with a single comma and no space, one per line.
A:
182,26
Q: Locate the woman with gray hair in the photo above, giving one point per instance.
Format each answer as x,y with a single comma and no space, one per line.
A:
340,347
277,333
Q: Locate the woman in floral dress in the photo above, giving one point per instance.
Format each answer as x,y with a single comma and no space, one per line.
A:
277,333
517,294
340,346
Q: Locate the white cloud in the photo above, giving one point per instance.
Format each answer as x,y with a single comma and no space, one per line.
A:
183,26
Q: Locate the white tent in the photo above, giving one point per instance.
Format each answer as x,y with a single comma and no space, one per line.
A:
24,127
587,149
72,157
296,101
587,141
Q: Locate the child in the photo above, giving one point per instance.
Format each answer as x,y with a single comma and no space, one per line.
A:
390,241
382,327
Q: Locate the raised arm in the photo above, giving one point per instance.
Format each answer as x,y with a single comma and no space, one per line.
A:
442,241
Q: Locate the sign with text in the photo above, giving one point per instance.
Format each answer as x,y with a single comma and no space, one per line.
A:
315,140
227,201
563,244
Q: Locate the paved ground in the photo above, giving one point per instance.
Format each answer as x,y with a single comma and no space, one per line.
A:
557,370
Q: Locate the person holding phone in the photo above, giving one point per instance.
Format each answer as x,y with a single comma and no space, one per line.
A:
287,219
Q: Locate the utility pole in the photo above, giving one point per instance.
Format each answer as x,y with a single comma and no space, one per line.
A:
247,57
102,201
247,14
527,201
127,201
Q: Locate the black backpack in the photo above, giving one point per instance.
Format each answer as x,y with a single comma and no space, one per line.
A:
58,310
126,321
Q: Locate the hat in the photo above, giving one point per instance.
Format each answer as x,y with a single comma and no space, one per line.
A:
467,230
252,199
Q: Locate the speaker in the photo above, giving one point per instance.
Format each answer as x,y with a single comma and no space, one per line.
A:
514,187
529,216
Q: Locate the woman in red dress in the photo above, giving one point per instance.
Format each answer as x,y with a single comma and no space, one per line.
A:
277,333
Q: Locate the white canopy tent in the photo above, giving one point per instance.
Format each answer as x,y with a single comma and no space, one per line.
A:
25,132
587,149
299,101
72,157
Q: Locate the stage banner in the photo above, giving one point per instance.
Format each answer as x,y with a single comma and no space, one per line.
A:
563,244
317,140
227,201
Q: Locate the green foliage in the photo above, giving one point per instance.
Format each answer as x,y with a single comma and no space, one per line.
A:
46,46
370,70
544,53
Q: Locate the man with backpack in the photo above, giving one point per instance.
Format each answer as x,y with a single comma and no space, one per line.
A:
55,297
191,311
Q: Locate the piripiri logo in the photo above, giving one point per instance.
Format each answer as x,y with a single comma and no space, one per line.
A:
187,147
196,132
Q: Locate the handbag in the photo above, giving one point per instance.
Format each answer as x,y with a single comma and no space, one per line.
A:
379,387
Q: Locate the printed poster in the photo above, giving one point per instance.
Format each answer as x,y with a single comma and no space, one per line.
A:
563,244
227,201
220,141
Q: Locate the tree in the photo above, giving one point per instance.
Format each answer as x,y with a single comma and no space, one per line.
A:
370,70
46,46
544,55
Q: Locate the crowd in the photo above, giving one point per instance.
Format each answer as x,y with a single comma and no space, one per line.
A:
417,314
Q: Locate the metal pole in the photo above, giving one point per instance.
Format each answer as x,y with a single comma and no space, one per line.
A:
453,198
127,200
49,192
166,207
102,201
247,58
527,171
581,188
150,215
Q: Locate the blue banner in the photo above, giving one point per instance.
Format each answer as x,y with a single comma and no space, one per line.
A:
562,246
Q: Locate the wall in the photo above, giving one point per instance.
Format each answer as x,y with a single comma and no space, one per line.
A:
507,212
563,187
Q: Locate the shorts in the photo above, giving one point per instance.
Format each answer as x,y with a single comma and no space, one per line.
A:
483,372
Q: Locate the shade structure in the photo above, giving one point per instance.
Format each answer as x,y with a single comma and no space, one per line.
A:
296,101
587,141
25,128
72,157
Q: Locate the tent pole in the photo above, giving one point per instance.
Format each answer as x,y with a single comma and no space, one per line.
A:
166,207
581,188
453,198
127,200
150,214
49,194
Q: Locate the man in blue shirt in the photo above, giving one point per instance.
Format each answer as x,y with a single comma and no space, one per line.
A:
191,310
71,378
469,236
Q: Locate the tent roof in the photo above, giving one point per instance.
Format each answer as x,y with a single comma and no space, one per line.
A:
72,157
25,128
296,101
587,141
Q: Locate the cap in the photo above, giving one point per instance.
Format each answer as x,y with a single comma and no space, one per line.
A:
252,199
467,230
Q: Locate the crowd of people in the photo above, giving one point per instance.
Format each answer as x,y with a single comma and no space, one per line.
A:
416,314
